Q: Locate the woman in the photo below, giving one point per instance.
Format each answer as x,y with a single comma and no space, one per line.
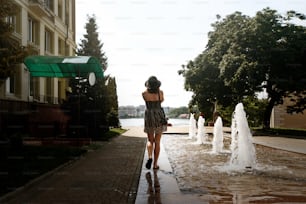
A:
153,126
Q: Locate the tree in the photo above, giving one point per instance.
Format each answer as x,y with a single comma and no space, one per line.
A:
113,112
176,112
249,54
282,59
91,44
11,52
99,106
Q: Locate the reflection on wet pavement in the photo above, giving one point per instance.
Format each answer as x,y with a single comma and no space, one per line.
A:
153,188
279,176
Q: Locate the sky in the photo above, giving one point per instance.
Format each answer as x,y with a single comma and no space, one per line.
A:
142,38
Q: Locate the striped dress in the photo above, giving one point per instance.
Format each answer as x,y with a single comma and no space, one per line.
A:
152,119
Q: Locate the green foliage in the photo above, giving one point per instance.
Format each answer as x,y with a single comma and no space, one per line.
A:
91,44
117,131
113,132
113,119
245,55
98,108
254,109
113,111
280,132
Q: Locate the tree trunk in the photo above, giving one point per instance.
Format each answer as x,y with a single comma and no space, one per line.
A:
267,114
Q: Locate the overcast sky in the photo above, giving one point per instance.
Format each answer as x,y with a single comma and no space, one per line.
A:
155,37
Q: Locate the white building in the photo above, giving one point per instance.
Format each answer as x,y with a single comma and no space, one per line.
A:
49,26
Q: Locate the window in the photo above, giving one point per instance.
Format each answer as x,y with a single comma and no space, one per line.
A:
60,9
61,47
32,86
12,21
48,41
15,21
49,4
10,85
33,31
30,30
32,27
48,90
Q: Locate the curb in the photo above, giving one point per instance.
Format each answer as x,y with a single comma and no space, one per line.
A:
134,187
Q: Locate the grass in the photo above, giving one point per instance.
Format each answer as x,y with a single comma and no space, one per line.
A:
113,132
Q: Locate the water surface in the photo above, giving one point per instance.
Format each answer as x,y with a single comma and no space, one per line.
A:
279,176
139,122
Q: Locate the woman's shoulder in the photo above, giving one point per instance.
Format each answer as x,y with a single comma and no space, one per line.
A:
146,95
151,93
145,92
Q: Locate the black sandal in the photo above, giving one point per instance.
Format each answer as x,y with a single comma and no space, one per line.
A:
149,163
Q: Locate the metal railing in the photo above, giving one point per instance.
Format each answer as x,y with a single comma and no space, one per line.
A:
40,2
43,4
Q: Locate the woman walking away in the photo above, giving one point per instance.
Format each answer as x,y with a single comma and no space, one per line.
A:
153,125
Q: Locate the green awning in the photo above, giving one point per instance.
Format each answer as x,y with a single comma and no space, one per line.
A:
63,67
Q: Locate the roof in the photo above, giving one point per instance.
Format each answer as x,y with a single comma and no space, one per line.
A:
63,67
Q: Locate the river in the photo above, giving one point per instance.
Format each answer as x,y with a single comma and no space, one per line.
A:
136,122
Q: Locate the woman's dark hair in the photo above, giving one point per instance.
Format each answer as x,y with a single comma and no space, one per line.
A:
153,84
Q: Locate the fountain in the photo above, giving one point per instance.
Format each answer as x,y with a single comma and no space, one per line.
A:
201,136
243,151
192,126
218,136
238,174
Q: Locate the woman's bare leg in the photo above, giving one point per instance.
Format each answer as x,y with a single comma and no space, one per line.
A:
156,149
150,144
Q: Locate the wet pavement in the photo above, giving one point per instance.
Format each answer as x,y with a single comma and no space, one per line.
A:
109,174
160,186
189,173
279,176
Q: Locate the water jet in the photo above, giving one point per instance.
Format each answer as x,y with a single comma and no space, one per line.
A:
192,127
243,155
218,136
201,134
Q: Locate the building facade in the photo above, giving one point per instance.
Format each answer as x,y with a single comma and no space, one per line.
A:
49,27
281,119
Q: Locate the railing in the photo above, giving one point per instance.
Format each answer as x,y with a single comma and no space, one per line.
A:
43,5
40,2
45,99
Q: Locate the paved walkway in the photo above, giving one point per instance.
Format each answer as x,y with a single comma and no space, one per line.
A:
283,143
288,144
116,174
107,175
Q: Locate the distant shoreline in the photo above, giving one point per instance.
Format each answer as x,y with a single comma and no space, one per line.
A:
140,121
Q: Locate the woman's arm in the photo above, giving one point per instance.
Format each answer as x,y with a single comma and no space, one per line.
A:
161,95
143,95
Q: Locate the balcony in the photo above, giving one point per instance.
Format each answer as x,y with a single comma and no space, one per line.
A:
40,8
